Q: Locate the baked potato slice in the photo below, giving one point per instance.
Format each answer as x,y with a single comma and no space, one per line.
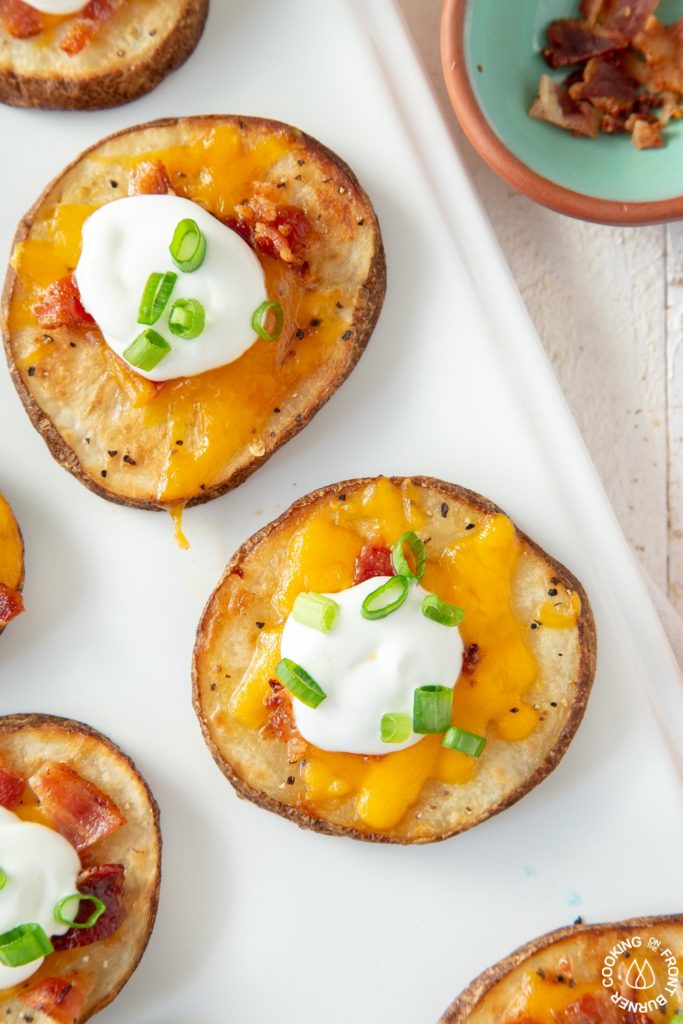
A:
530,651
191,439
120,58
73,984
11,565
584,974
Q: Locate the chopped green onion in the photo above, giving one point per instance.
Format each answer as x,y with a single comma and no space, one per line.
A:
385,599
188,247
147,351
419,552
466,742
316,610
155,296
299,683
23,945
187,319
258,320
432,709
395,728
3,878
63,918
441,611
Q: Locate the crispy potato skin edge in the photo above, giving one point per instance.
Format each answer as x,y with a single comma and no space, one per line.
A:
469,998
363,324
15,723
111,88
588,657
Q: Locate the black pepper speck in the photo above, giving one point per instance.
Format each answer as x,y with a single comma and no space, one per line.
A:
444,509
346,335
31,370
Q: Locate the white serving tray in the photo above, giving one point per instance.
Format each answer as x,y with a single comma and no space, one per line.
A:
260,922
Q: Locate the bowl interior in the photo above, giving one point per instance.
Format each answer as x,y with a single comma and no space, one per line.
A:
503,43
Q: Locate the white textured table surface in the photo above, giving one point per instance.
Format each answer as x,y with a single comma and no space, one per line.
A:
608,305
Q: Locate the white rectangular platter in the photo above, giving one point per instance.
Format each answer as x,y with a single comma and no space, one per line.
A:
260,922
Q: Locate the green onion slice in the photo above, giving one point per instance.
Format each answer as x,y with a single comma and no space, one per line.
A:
465,742
188,247
147,351
395,728
432,709
3,878
299,683
316,610
265,311
187,319
385,599
155,296
441,611
23,945
70,919
418,550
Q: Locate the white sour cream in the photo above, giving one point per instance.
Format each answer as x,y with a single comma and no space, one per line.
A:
369,668
127,240
61,7
41,868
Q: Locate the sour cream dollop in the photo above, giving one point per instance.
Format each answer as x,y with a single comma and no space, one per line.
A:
128,239
41,868
369,668
59,7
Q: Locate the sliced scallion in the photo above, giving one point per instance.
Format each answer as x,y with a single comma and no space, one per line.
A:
316,610
418,551
299,683
441,611
187,319
432,708
465,742
63,917
155,296
147,351
395,728
23,945
272,311
3,878
188,247
385,599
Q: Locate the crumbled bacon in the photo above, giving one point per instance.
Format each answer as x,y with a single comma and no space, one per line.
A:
84,27
281,724
75,807
60,306
572,42
60,999
11,604
626,16
11,786
607,86
373,560
646,134
662,47
470,657
151,178
272,228
554,104
106,882
19,19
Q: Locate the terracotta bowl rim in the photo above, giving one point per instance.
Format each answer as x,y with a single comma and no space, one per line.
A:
503,161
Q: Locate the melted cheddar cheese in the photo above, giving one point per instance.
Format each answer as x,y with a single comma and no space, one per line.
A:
11,548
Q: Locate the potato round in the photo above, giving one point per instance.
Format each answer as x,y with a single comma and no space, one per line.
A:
259,768
11,550
490,998
130,55
28,741
70,381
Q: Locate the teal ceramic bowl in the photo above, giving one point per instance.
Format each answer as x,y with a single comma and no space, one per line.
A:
492,62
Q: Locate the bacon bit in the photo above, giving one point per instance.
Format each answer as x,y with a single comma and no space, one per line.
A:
555,105
151,178
60,999
596,1009
19,19
75,807
572,42
60,306
373,560
11,604
271,228
237,571
470,657
11,786
106,882
607,86
662,47
644,134
86,25
626,17
281,724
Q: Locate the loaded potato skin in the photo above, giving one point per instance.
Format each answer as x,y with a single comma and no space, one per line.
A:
11,565
65,775
542,644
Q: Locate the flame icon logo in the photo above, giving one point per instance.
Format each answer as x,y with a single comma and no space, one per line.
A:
640,976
